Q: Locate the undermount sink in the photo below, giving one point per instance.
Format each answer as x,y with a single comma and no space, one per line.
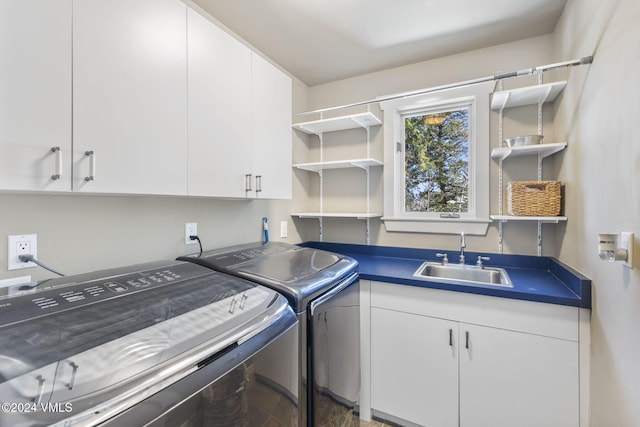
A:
463,274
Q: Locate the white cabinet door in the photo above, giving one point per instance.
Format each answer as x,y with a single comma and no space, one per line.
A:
414,368
130,96
514,379
271,130
219,71
35,94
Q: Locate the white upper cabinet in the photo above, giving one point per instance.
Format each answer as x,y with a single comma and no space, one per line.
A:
219,110
239,118
130,96
155,99
35,95
271,130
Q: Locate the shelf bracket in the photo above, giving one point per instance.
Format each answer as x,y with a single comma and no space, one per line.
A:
539,238
360,165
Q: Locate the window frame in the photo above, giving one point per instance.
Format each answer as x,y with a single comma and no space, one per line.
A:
476,221
401,176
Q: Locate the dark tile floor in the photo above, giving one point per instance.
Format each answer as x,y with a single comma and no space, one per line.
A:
332,415
373,423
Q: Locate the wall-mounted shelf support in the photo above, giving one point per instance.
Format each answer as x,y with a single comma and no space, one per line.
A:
354,215
527,95
541,219
531,95
354,121
542,150
339,164
319,127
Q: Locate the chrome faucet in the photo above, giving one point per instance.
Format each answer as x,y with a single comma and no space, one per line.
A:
480,259
445,260
462,246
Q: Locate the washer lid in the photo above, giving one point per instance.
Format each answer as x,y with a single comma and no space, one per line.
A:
291,266
300,274
93,342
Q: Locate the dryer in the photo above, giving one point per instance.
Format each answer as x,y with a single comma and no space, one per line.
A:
324,291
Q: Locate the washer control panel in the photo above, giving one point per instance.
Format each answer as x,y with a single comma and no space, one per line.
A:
72,295
229,259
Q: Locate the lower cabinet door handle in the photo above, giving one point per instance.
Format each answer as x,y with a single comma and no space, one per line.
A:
451,337
466,340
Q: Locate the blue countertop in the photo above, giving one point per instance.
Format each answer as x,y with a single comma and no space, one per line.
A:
541,279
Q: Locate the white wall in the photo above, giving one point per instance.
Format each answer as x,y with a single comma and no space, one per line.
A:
78,233
599,116
345,189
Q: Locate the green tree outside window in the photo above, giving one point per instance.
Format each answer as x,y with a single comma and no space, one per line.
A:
437,162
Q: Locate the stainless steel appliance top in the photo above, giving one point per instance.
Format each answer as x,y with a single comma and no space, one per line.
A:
102,340
300,274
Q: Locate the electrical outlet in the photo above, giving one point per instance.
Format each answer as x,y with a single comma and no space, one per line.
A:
283,229
24,244
190,229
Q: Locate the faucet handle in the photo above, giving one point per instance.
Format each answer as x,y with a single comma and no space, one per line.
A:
444,258
480,259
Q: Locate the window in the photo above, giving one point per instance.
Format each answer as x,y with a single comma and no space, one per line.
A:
437,161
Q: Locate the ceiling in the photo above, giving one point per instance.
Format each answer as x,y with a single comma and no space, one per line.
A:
320,41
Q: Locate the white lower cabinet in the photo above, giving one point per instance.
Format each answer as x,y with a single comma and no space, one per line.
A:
510,378
441,358
414,367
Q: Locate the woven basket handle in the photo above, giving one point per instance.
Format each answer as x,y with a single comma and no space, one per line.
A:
535,187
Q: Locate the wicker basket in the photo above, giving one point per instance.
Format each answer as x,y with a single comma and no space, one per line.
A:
533,198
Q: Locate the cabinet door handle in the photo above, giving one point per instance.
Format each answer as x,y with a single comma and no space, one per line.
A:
258,183
57,173
92,165
247,183
466,340
451,337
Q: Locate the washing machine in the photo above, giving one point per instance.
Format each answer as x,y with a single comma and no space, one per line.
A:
168,343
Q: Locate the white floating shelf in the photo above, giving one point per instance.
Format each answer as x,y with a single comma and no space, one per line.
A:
527,95
546,219
353,121
339,164
543,150
360,215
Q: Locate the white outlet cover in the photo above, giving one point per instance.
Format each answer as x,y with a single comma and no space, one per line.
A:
190,229
283,229
13,263
14,281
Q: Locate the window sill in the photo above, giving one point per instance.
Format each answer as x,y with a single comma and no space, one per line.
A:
437,225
